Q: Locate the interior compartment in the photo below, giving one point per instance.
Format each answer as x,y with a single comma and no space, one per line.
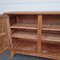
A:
21,44
50,42
23,21
51,48
24,39
24,34
51,36
51,22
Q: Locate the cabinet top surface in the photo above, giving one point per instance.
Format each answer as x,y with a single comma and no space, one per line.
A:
33,12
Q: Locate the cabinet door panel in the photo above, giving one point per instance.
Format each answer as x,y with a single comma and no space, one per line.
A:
3,35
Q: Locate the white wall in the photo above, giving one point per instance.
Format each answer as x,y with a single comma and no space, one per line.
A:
29,5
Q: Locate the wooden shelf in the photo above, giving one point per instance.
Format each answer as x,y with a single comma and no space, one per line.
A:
2,34
25,35
51,27
24,26
32,36
24,45
52,49
51,37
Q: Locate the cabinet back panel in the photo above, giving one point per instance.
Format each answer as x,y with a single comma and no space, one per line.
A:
51,19
27,19
23,19
12,20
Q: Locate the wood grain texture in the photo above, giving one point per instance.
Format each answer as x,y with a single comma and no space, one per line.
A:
25,35
39,33
33,12
25,45
39,22
24,26
3,36
8,29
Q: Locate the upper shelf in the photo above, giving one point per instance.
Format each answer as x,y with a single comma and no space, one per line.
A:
34,27
24,26
51,27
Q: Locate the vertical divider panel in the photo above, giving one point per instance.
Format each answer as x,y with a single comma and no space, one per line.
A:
39,33
8,29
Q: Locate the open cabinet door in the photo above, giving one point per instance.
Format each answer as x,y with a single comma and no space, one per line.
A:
3,35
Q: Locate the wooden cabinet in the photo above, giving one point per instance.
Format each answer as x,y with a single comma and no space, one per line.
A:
34,33
3,35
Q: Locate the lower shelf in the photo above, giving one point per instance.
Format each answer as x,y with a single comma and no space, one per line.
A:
29,48
24,26
24,45
50,56
50,48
